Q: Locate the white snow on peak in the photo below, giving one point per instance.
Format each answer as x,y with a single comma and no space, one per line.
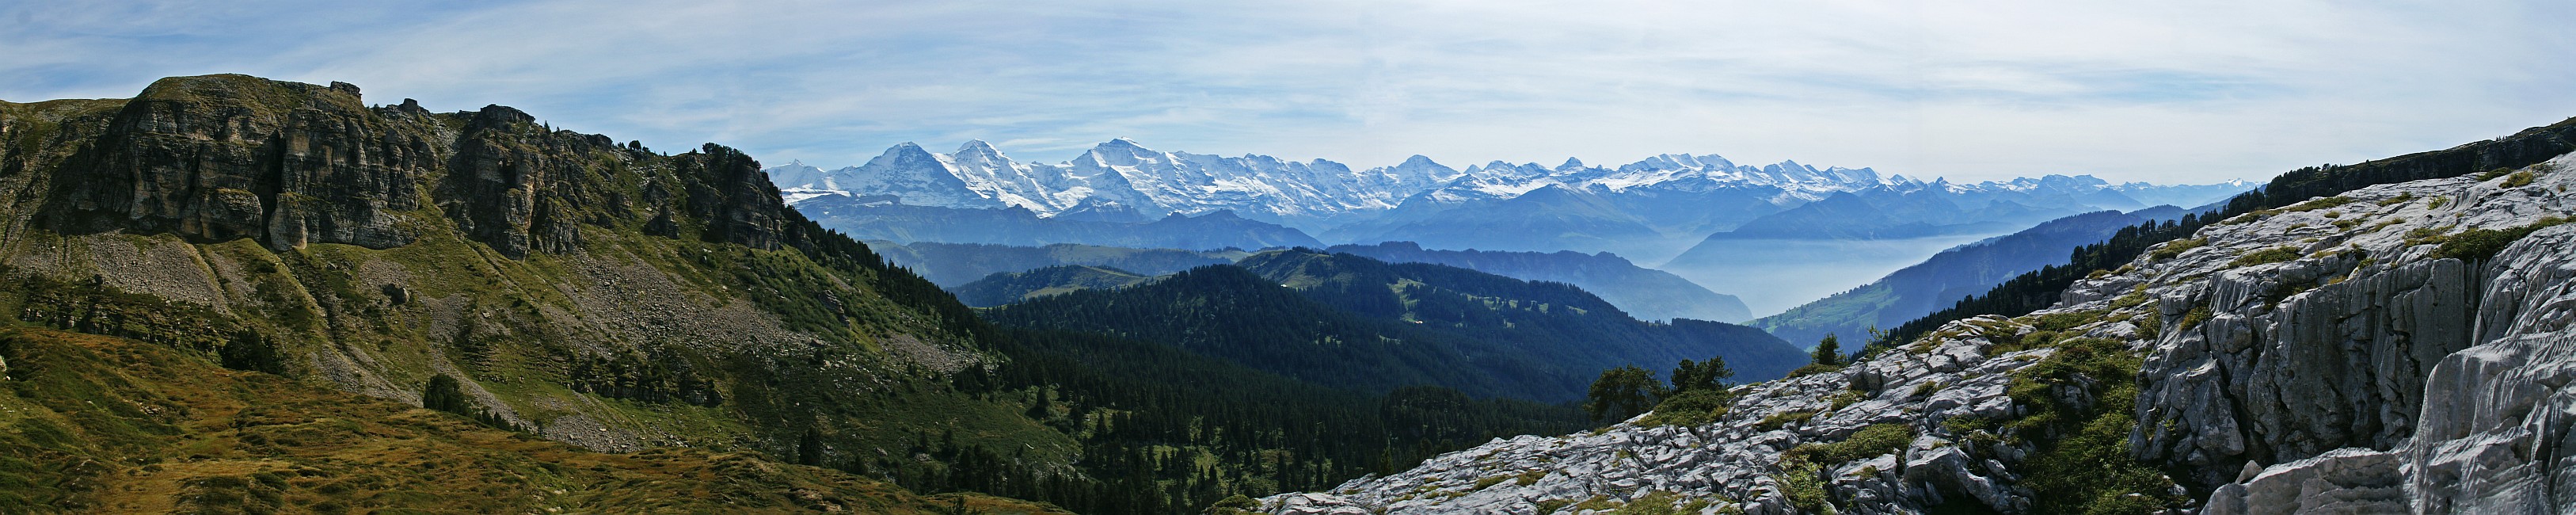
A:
1126,174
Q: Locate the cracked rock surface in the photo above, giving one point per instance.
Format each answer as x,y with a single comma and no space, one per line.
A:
2325,357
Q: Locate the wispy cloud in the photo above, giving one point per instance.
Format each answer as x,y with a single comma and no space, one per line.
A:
2164,91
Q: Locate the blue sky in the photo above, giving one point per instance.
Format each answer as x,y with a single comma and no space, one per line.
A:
2184,91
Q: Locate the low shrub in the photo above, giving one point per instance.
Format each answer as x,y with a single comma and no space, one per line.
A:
2176,248
1815,368
1778,420
1869,442
2265,257
2197,315
2475,244
1690,408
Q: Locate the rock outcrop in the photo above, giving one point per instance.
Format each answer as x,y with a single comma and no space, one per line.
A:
226,156
2395,348
2465,409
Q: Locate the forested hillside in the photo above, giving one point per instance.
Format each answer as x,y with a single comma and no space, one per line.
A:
1009,287
1646,293
953,264
1348,320
1170,431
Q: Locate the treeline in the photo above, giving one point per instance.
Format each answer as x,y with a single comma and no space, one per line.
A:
1231,314
1355,322
1560,328
1166,431
2038,290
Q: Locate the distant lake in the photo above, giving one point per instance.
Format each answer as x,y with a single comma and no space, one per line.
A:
1775,275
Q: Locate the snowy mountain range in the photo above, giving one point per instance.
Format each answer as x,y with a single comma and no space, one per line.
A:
1121,180
1777,235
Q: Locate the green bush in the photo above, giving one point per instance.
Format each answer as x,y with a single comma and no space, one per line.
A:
1869,442
2475,244
1799,480
2492,174
2177,247
2519,179
1234,504
1815,368
1690,408
2425,236
1846,398
1659,502
2266,256
1776,420
2065,321
2312,205
1967,424
2197,315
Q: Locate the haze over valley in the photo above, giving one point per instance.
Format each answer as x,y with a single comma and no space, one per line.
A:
1774,235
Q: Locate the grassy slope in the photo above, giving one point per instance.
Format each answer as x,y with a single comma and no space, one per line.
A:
98,423
822,350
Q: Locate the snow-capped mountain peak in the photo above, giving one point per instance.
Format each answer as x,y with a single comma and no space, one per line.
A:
1122,177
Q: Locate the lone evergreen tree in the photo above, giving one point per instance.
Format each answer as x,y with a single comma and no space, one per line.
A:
1708,375
1621,393
251,351
444,395
1829,351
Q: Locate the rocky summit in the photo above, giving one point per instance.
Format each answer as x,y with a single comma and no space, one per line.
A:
2398,348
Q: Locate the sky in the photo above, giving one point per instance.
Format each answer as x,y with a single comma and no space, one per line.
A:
2171,92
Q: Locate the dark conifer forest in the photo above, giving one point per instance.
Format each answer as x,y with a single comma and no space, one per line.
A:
1167,431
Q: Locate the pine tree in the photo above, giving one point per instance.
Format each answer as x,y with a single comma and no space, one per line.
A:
444,394
1829,351
1707,375
1621,393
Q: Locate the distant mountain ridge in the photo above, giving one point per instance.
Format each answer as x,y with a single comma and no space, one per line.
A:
1947,277
876,218
1647,293
1008,287
953,264
1571,206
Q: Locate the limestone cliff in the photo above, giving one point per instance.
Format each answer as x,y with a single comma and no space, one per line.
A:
2394,348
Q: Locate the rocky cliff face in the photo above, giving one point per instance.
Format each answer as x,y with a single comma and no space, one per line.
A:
2434,378
222,157
216,158
2396,348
